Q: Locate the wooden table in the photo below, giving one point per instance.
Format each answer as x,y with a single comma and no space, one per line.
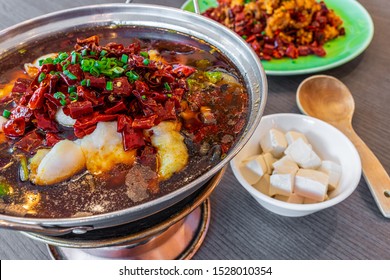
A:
240,228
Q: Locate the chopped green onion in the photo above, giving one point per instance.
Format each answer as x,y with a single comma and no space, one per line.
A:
213,77
65,65
23,171
5,188
70,75
146,62
244,37
169,95
63,102
59,95
94,71
74,58
118,70
63,56
143,97
167,87
71,89
73,96
144,54
109,86
88,82
124,58
41,77
40,62
6,114
132,76
86,64
84,52
93,53
48,60
103,53
83,82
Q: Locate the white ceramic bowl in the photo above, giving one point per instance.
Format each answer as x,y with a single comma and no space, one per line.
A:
328,142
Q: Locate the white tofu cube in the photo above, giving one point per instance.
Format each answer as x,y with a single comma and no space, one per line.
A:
269,161
285,165
291,136
263,185
334,171
293,198
274,142
307,200
254,168
281,184
311,184
303,155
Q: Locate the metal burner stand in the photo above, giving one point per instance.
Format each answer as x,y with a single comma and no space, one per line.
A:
175,233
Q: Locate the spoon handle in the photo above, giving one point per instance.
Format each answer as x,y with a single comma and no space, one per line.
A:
375,174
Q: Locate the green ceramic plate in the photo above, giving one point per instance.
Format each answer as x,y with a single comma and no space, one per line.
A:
359,30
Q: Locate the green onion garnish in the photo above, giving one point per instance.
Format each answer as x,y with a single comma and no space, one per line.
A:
41,77
65,65
73,96
94,71
118,70
146,62
109,86
93,53
63,102
169,95
6,114
74,58
132,76
84,52
63,56
143,97
88,82
144,54
167,87
70,75
103,53
71,89
59,95
124,58
83,82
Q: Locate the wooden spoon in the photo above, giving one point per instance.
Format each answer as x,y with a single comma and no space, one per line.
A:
327,98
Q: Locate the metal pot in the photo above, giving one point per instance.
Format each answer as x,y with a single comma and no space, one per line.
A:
164,19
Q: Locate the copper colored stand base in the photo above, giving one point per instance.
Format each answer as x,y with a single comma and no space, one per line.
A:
180,241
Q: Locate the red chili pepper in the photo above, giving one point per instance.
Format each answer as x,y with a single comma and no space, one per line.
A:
183,70
14,127
117,108
132,139
78,109
37,99
30,142
52,139
123,122
144,122
44,122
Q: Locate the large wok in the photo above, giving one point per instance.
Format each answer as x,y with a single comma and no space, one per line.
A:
138,16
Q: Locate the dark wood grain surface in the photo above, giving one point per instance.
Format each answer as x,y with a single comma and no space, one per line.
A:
240,228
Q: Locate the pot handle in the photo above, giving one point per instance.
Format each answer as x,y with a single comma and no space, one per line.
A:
51,231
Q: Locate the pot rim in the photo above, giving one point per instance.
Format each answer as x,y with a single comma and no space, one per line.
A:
254,77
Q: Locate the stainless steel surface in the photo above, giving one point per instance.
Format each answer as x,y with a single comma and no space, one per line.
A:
240,228
180,242
138,15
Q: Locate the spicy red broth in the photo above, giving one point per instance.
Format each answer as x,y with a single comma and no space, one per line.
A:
103,124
